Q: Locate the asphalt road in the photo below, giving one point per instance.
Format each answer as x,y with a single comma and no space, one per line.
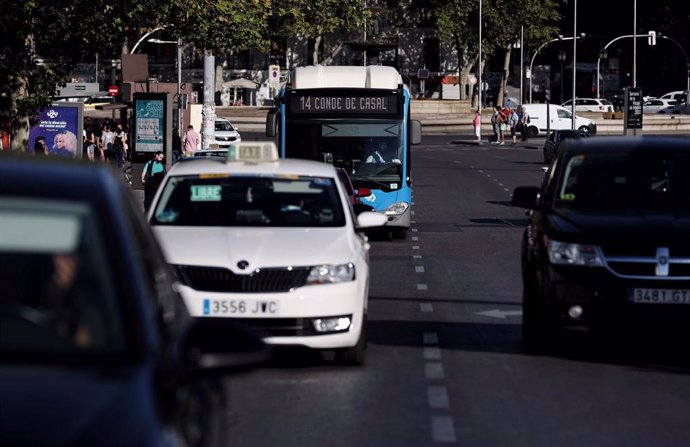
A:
445,363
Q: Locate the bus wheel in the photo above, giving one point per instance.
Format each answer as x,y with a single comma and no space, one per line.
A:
399,233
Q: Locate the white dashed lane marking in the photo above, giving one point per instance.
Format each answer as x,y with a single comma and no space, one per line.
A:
430,338
432,353
442,429
419,268
426,307
422,287
438,397
434,371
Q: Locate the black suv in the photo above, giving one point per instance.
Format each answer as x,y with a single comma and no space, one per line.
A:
608,241
556,138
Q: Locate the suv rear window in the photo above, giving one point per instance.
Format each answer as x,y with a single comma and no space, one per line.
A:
643,180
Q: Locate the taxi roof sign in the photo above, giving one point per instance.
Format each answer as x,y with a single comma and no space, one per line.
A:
253,152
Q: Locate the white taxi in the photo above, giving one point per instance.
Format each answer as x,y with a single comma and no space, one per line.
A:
274,242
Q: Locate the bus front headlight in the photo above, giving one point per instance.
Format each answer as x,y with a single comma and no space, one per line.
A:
397,209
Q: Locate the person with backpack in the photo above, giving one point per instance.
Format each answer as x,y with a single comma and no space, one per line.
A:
513,124
151,177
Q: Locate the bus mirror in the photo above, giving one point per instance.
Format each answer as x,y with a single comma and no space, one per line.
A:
272,123
416,132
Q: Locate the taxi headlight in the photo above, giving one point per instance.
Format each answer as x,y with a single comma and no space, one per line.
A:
397,209
565,253
331,274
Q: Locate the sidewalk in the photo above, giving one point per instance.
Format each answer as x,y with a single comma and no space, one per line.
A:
254,119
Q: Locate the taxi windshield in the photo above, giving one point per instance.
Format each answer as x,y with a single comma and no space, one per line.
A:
250,201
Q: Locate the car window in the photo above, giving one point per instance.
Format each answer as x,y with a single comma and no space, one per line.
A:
252,201
564,113
224,126
640,181
58,291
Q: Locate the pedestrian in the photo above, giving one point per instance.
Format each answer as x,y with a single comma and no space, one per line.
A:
495,124
477,123
502,120
89,142
190,141
151,177
106,143
120,145
513,123
524,121
40,147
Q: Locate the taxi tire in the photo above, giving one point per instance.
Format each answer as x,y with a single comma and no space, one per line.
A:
355,355
202,414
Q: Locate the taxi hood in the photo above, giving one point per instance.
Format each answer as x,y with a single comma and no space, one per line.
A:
259,247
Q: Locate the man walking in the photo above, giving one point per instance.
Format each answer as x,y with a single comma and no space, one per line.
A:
190,141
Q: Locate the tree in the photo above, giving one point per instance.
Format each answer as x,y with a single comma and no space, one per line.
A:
219,25
315,19
458,22
44,39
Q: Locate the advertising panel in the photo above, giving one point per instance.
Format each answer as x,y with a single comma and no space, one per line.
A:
60,127
149,124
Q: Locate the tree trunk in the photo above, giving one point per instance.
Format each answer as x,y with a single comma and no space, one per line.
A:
464,80
317,44
504,75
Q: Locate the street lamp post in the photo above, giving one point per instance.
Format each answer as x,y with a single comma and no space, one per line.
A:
561,57
574,63
560,38
480,83
602,55
687,61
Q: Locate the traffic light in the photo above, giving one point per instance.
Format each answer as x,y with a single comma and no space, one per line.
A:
651,40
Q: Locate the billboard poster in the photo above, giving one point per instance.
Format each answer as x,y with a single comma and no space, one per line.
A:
60,126
149,125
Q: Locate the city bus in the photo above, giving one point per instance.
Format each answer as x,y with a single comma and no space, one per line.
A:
358,119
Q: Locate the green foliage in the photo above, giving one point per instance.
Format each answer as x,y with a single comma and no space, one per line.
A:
44,39
219,25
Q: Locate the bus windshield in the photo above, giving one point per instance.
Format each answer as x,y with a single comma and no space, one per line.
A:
371,151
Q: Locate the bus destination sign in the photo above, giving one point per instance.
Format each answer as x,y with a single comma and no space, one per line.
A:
317,103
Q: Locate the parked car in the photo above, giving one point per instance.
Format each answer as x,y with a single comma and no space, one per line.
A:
556,138
97,347
657,105
675,95
606,247
589,105
272,242
225,133
212,153
560,118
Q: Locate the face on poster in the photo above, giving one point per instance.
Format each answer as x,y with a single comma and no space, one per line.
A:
149,125
58,127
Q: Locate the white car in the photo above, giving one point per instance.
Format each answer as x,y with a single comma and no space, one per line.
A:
225,133
273,242
658,105
589,105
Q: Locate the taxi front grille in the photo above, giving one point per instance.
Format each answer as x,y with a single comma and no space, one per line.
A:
218,279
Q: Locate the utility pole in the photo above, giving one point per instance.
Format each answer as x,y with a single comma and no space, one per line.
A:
208,112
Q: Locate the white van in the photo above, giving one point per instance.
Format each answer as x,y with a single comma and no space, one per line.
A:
560,119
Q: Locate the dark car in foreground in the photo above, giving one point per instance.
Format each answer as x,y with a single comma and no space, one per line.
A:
96,346
607,247
556,137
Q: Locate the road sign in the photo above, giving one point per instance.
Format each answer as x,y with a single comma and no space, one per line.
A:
113,90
